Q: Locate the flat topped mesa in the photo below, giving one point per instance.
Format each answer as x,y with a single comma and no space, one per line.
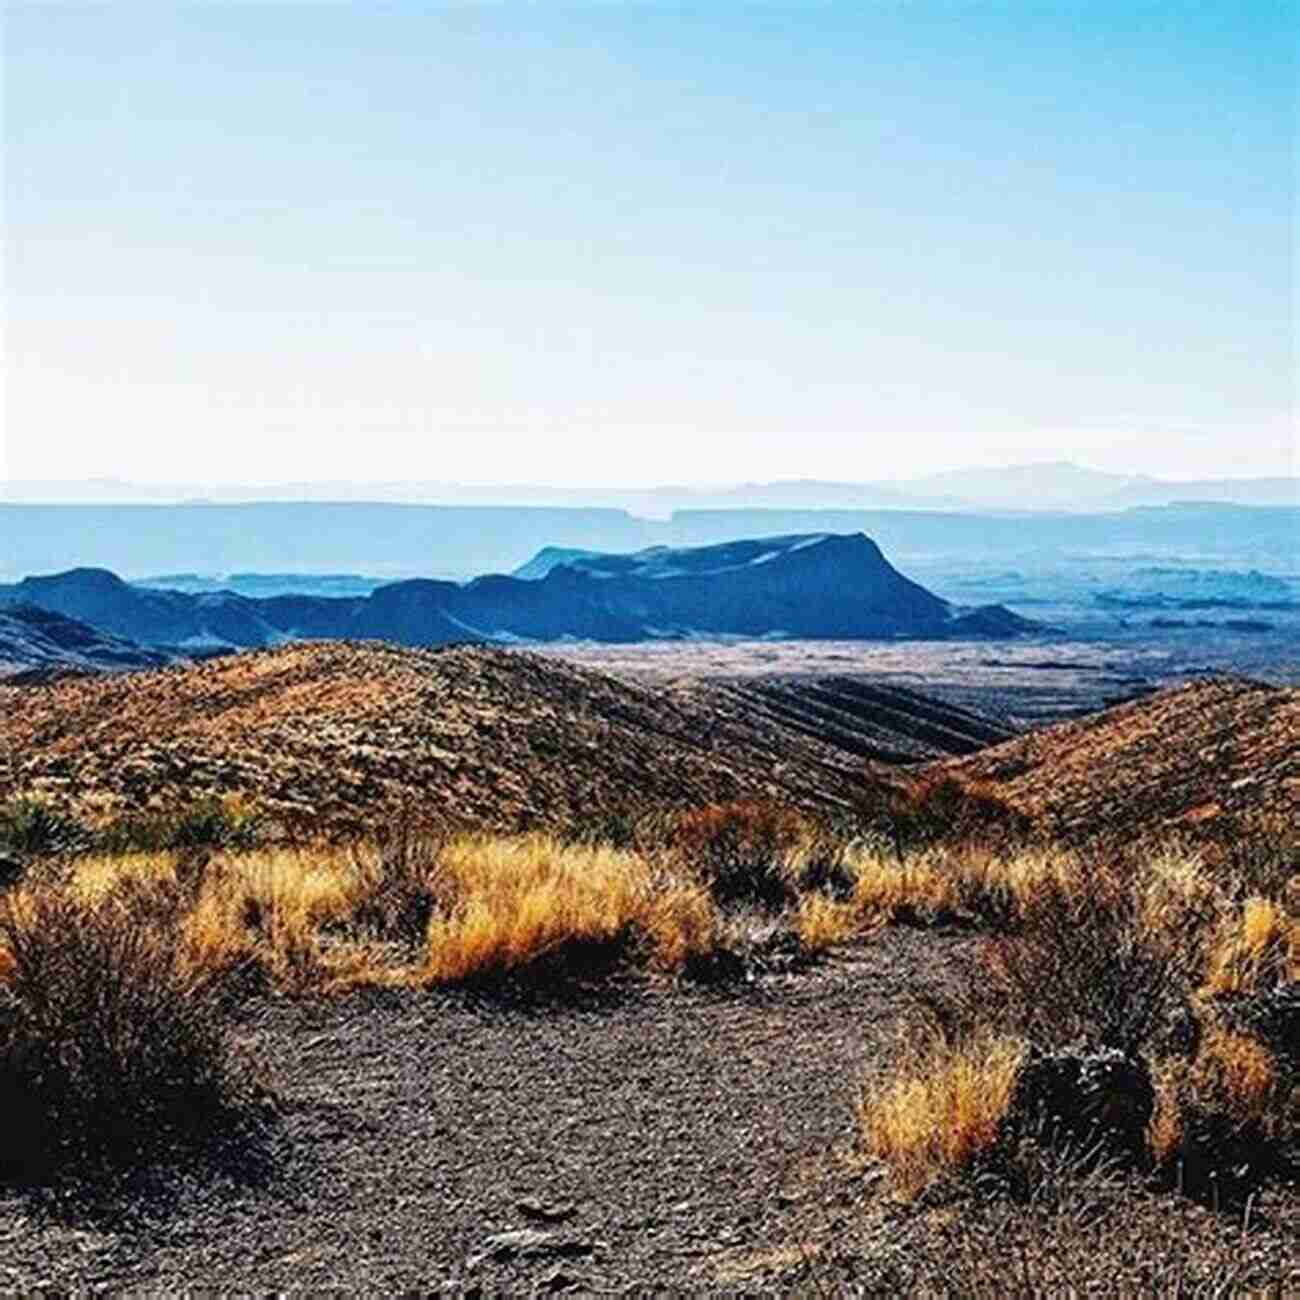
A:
823,585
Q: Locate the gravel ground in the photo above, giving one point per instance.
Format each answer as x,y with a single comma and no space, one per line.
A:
672,1138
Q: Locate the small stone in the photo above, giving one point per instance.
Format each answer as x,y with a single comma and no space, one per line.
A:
527,1243
548,1211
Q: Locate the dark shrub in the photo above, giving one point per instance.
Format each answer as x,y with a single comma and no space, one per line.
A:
754,851
208,824
944,810
108,1054
31,829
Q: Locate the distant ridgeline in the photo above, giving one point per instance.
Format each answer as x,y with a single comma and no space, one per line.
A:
809,585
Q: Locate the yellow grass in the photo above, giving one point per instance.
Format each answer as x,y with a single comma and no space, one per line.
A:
94,878
1166,1128
313,918
821,922
268,908
942,883
1238,1070
940,1109
1258,946
518,899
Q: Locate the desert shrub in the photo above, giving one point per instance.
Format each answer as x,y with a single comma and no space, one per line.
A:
1083,964
208,824
32,829
1094,1232
109,1053
942,809
1102,975
755,851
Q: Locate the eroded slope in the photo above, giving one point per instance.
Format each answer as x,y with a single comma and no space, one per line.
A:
1189,754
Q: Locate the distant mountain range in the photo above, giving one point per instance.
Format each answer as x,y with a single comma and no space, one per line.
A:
1055,485
386,542
817,585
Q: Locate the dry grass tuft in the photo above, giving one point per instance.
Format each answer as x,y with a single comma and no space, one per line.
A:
1257,947
516,901
751,851
941,1108
822,922
972,884
1240,1072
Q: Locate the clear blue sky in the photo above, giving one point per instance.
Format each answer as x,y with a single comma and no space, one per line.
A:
632,243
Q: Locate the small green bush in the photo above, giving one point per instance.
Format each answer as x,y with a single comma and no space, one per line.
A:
32,829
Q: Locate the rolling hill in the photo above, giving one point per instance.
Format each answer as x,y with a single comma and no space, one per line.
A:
37,642
1183,756
334,735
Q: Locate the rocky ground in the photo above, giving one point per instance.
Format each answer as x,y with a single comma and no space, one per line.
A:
674,1137
670,1138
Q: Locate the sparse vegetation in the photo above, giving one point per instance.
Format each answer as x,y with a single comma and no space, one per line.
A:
1150,965
1154,954
110,1053
942,1107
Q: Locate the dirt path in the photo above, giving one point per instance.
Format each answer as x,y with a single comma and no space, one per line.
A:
677,1138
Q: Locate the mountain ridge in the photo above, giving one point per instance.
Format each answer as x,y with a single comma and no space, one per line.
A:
820,585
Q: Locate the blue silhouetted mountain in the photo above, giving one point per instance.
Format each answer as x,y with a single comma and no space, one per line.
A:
804,585
40,642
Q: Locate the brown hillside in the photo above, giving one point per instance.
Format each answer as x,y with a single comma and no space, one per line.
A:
332,734
1186,755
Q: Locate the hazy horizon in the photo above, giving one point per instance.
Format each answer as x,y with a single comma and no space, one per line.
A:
920,479
625,247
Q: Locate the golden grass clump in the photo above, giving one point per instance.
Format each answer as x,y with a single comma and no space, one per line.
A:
822,922
95,877
516,900
1168,1126
1257,947
267,908
969,883
940,1109
1240,1072
1228,1109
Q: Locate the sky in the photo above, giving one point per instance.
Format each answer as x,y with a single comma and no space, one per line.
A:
631,244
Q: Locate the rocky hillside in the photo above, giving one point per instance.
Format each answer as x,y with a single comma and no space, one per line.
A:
1183,756
334,735
816,585
880,722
